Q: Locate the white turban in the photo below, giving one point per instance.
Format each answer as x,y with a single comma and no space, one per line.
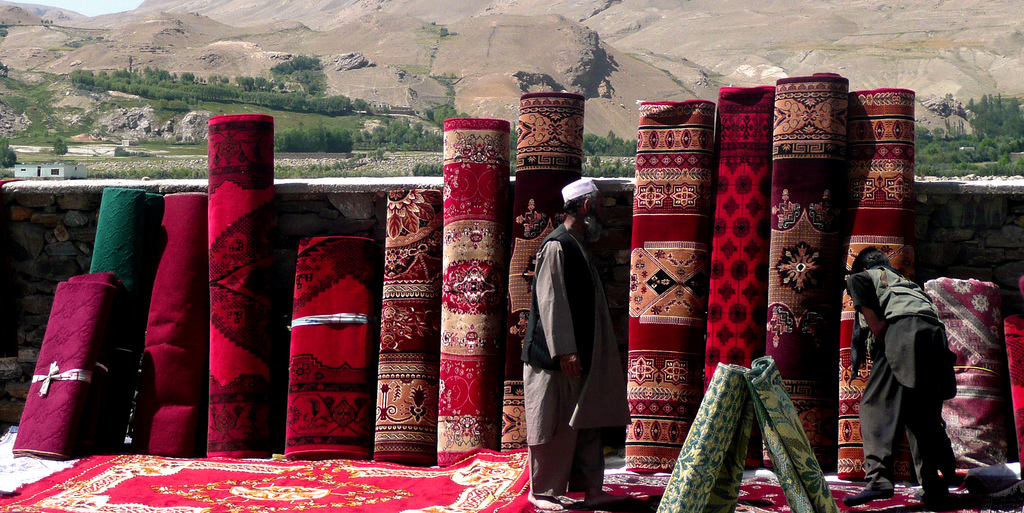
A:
580,187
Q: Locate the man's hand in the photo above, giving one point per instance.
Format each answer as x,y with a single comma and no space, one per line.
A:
570,364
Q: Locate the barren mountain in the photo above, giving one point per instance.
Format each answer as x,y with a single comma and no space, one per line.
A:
487,52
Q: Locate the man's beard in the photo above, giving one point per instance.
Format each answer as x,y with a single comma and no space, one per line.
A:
594,227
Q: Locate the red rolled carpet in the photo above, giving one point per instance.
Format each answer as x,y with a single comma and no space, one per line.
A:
76,331
880,213
738,290
669,270
976,420
330,393
410,332
1014,329
241,212
473,283
549,156
805,256
172,385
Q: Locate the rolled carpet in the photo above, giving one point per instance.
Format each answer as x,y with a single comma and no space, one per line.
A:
410,333
669,271
879,213
56,398
1014,329
473,285
971,311
8,317
738,287
126,235
709,471
549,156
241,212
172,384
804,282
330,394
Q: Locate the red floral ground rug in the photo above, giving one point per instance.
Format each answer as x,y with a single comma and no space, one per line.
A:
971,311
668,283
879,213
485,482
172,382
241,213
549,156
330,392
410,332
805,260
476,168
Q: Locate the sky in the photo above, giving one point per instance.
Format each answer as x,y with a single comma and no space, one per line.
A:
90,7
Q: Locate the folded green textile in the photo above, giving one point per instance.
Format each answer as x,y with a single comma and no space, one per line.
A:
709,470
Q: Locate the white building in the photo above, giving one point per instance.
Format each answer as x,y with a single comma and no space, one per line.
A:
59,171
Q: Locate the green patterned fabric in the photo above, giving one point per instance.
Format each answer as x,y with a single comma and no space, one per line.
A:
709,470
793,461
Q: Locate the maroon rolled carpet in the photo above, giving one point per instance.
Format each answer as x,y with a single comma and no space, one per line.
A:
330,392
74,335
241,212
1014,330
880,213
172,384
410,332
805,256
738,291
476,168
668,282
976,420
549,156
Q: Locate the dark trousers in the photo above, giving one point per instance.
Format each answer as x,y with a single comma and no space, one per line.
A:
888,407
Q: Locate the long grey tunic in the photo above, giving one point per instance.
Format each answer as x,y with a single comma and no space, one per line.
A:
598,399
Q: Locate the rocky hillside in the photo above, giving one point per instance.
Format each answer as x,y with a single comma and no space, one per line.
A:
485,53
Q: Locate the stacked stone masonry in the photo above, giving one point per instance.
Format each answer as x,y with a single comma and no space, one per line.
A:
964,230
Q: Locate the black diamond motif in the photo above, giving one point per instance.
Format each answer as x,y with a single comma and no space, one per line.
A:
661,282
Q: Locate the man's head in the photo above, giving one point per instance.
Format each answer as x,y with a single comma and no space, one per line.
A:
582,205
868,258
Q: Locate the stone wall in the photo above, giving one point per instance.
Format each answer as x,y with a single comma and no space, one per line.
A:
964,229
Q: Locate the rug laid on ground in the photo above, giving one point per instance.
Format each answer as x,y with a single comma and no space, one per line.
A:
709,471
126,239
738,287
241,212
170,418
330,388
476,179
76,330
410,333
483,482
1013,328
549,156
669,268
804,285
879,213
971,311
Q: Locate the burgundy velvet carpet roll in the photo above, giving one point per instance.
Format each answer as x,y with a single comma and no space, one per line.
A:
476,168
805,256
241,212
880,213
738,291
1014,330
975,419
74,334
410,332
169,412
330,392
550,151
668,282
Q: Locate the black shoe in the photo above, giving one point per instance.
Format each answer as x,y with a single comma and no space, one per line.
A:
936,500
866,496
